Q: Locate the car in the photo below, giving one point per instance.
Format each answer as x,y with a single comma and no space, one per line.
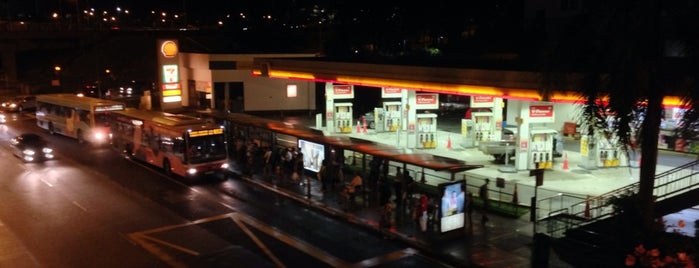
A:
369,117
20,103
31,147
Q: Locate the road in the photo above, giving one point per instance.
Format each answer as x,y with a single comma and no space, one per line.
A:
92,207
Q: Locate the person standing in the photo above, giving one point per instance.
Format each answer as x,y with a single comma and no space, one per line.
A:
386,221
483,195
322,175
469,210
422,212
398,188
268,168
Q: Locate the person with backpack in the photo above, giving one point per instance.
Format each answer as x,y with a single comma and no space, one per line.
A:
483,195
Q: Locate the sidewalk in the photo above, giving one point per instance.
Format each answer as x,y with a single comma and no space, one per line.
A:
502,242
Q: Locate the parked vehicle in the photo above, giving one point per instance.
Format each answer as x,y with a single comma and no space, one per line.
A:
20,103
31,147
369,117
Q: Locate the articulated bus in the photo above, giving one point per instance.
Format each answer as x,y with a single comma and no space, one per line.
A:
82,118
181,145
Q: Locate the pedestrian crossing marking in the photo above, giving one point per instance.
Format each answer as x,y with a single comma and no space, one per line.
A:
148,240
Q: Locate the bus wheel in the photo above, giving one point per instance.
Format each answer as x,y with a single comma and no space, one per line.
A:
80,137
51,130
166,167
129,149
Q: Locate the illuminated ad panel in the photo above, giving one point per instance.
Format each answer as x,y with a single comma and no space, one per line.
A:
313,155
169,74
453,202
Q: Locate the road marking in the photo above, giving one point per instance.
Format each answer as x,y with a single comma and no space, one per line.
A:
244,221
227,205
180,248
386,258
78,205
140,240
47,183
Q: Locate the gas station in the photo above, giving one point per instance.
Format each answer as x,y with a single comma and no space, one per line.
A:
499,100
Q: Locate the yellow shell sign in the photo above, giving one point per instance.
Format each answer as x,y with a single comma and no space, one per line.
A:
169,49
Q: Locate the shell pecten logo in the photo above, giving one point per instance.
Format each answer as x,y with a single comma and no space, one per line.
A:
169,49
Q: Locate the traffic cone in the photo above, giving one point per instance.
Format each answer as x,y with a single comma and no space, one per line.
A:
364,129
587,208
449,142
515,196
359,129
565,161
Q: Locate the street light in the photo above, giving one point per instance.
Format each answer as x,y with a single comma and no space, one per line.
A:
56,81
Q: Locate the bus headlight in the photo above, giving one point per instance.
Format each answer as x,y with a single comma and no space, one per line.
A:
47,150
192,171
224,166
28,152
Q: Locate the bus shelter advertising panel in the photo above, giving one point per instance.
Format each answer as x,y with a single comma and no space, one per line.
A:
313,154
453,202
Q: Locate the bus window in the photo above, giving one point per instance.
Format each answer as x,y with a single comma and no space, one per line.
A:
102,120
206,148
84,116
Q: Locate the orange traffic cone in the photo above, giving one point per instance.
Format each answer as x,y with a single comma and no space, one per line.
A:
515,196
587,208
359,129
565,161
449,142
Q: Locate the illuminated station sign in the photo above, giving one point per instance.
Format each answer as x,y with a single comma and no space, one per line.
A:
170,84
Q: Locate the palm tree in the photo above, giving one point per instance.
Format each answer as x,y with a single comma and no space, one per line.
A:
615,56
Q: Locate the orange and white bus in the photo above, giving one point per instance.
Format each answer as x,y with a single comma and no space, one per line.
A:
82,118
181,145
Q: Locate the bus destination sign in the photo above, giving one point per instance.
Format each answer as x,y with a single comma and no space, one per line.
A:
107,108
206,132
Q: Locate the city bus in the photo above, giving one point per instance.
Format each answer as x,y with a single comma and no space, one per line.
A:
82,118
182,146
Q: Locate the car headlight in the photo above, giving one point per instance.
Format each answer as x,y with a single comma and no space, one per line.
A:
224,165
47,150
28,152
13,105
192,171
99,136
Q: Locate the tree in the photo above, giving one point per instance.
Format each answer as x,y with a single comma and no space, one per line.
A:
615,54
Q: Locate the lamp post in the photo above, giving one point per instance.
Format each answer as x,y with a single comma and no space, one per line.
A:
56,81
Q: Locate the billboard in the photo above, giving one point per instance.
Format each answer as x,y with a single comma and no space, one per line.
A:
453,206
313,154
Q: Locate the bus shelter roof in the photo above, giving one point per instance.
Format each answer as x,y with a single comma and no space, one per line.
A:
382,150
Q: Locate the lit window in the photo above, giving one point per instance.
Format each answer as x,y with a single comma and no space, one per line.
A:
291,91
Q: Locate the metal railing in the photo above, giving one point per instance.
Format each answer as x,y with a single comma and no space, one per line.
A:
565,212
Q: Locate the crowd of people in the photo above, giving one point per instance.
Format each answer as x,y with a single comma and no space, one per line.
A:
395,193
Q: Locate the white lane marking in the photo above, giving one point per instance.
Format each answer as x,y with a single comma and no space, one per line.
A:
78,205
47,183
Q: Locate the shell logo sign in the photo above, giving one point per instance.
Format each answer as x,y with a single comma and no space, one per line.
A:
169,49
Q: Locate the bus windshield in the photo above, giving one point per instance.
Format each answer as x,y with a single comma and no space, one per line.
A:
206,148
102,119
